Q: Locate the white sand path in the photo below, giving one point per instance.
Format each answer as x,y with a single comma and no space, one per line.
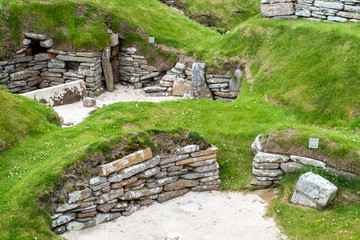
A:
195,216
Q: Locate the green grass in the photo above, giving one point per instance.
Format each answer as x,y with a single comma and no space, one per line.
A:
224,14
338,221
20,117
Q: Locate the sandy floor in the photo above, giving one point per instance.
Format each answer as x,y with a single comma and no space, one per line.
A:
194,216
75,113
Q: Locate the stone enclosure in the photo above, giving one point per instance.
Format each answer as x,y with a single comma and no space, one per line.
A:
268,168
126,184
39,65
328,11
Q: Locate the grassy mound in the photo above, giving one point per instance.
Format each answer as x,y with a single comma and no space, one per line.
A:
20,117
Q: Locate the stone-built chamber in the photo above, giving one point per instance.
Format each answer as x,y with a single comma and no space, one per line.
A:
327,11
123,186
39,65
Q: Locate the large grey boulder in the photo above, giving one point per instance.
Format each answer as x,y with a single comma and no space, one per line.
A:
200,88
314,191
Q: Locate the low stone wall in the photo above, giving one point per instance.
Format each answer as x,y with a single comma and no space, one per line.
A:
328,11
268,168
223,87
136,180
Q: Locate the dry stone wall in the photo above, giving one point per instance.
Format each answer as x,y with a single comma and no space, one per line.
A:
139,179
268,168
177,81
328,11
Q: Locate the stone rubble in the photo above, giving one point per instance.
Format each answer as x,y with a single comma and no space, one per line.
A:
136,180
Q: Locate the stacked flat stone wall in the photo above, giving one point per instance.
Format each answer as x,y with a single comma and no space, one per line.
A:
269,168
177,81
139,179
134,68
39,65
328,11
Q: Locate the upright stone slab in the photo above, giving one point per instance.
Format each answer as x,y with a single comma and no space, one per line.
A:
200,88
314,191
278,9
107,68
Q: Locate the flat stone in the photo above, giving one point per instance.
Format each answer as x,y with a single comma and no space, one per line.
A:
169,77
47,43
166,84
56,65
97,180
268,178
231,95
22,75
134,158
106,217
170,195
208,168
114,39
162,182
187,149
150,172
35,36
131,195
125,182
218,80
180,184
200,88
132,170
75,59
87,54
262,157
210,151
209,179
173,159
100,186
349,15
115,193
336,19
63,219
200,175
256,182
79,195
155,89
59,230
312,189
332,5
180,66
256,145
75,226
21,59
105,207
151,75
266,165
290,167
65,207
267,172
308,161
198,159
279,9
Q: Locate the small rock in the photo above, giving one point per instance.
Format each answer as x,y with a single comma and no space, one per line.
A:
89,102
47,43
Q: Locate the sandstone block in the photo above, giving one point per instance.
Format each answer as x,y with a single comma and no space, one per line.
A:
22,75
332,5
173,159
65,207
47,43
35,36
262,157
134,158
200,88
181,87
115,193
179,184
266,165
279,9
308,161
187,149
150,172
75,226
89,102
132,170
198,159
105,207
290,167
314,191
205,188
105,217
79,195
63,219
131,195
170,195
267,172
200,175
208,168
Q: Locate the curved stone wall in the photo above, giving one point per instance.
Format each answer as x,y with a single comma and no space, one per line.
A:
124,185
328,11
268,168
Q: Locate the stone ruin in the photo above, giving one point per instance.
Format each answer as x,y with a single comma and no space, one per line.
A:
39,65
327,11
268,168
123,186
